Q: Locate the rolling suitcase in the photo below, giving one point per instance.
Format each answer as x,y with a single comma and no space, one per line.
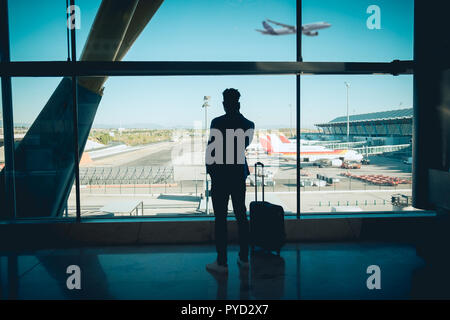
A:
266,221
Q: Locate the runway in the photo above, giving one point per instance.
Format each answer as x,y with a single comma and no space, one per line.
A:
157,154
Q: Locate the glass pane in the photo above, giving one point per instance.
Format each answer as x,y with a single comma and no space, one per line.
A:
179,30
38,30
368,168
43,129
357,30
147,144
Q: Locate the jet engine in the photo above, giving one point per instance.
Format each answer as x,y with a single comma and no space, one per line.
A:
312,34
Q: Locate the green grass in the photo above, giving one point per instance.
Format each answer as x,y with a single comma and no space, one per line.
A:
130,137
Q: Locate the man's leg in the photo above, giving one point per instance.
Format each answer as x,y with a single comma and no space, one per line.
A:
240,211
220,198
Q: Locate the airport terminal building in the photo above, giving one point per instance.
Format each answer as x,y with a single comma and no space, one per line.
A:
391,127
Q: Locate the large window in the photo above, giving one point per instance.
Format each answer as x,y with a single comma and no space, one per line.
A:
205,30
44,145
146,149
360,30
367,166
38,30
142,124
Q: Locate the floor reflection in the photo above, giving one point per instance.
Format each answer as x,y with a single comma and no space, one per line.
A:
94,284
264,280
244,284
306,271
222,285
267,276
13,278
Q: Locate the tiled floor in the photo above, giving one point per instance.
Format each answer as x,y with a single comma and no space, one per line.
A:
304,271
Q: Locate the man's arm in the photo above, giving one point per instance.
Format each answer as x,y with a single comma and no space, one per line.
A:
249,138
213,126
210,167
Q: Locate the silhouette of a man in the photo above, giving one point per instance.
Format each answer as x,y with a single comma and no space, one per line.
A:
227,165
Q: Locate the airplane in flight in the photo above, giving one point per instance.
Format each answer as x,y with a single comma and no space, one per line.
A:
308,29
279,145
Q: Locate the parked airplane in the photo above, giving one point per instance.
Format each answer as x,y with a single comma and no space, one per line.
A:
308,29
255,148
275,145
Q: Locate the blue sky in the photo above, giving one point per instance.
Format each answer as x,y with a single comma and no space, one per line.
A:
216,30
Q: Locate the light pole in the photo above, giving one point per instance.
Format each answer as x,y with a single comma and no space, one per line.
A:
206,100
348,118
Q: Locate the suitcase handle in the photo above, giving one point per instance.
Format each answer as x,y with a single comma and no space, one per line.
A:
256,180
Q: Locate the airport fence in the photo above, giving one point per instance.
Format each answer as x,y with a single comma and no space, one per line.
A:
118,178
158,180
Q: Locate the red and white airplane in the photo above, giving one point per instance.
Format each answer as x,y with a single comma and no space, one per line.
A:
280,145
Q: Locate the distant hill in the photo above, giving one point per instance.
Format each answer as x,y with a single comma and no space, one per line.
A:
150,126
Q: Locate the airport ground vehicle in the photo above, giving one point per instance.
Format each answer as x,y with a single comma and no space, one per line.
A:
267,180
325,163
401,200
350,165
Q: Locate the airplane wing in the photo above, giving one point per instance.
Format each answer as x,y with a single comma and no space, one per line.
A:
282,24
315,26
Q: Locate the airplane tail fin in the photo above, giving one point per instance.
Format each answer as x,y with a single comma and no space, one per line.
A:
284,139
268,27
275,142
266,144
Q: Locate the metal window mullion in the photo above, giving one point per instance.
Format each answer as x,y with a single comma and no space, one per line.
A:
298,97
200,68
75,118
8,120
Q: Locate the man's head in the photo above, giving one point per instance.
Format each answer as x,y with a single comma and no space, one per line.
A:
231,100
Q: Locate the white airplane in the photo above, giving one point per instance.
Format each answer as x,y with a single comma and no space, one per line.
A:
255,148
281,146
308,29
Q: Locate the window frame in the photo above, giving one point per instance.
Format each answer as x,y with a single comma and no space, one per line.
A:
76,69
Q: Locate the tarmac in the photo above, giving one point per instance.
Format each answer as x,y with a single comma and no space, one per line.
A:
184,193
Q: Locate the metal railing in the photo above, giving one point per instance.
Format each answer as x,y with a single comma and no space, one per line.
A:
125,175
381,149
